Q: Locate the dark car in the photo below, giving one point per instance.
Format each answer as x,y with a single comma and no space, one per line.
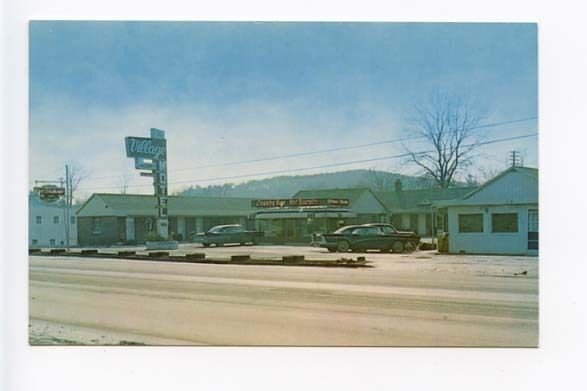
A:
379,236
318,240
224,234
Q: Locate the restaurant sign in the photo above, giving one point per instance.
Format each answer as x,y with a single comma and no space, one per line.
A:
49,193
148,148
300,202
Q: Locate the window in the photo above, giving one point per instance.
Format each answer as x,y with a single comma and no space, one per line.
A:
96,226
533,229
72,219
471,223
533,220
504,222
55,219
52,242
39,220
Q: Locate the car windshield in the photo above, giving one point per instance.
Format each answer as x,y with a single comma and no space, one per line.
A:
217,229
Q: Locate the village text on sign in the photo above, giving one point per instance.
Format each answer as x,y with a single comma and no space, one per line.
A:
148,148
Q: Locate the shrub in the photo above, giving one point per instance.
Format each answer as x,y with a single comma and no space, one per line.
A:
154,237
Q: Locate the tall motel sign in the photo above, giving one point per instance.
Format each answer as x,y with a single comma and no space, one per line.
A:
150,155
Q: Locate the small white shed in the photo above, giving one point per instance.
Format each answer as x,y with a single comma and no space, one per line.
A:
499,217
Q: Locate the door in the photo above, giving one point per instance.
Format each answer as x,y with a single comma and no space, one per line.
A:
533,229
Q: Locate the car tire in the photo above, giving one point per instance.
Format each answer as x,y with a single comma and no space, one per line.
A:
331,250
410,247
206,244
397,247
219,244
343,246
255,242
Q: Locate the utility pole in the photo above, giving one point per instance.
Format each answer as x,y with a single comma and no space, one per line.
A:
515,159
67,204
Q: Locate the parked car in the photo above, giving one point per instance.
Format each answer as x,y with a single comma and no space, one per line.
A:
318,240
379,236
224,234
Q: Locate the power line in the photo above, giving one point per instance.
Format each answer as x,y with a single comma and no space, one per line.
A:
285,171
337,149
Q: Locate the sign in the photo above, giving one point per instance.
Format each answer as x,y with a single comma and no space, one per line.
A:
300,202
148,148
49,193
154,150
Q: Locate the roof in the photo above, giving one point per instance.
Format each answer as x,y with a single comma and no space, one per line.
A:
420,200
352,194
513,196
528,171
145,205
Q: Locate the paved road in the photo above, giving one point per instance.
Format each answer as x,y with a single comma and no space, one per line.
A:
419,299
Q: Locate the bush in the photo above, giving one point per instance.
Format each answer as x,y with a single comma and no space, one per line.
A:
154,237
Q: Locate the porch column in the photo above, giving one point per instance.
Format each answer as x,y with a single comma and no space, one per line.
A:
130,228
422,224
181,226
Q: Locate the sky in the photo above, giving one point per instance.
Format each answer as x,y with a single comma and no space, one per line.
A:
231,92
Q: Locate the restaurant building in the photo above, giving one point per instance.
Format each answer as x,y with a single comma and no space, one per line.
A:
321,211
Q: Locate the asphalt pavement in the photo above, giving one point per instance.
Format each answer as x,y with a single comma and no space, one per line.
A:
418,299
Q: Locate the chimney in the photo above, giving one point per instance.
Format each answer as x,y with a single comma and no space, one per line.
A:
398,185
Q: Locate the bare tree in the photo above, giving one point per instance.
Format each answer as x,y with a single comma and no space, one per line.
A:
446,122
77,174
488,173
378,180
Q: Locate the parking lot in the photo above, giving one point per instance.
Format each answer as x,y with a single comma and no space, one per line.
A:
417,299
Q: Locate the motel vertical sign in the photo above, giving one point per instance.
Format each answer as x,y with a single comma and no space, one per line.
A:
151,154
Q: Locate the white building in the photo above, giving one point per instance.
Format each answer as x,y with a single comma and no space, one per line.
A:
499,217
47,223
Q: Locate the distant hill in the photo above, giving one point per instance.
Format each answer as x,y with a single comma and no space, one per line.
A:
287,186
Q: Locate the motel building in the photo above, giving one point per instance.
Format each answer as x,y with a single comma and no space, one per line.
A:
110,219
412,210
47,223
500,217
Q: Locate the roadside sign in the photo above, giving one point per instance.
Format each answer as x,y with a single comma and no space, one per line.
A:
49,193
299,202
148,148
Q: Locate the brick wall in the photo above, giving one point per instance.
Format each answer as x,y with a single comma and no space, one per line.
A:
109,231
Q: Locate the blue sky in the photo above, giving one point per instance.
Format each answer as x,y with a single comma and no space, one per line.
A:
235,91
